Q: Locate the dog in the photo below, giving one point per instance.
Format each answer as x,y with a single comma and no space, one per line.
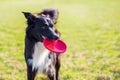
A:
38,58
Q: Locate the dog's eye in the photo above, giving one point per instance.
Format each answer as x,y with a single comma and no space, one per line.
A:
43,27
46,24
50,23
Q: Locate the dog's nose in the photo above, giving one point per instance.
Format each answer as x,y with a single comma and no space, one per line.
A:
56,37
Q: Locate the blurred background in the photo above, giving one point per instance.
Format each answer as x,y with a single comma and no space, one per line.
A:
90,28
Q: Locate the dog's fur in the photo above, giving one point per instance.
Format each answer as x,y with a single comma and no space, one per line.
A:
38,58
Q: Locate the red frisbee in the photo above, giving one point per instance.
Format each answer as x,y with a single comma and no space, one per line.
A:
56,46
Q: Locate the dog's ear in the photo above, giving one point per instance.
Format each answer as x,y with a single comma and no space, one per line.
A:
53,13
29,16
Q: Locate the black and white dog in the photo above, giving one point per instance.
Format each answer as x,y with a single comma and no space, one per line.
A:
38,58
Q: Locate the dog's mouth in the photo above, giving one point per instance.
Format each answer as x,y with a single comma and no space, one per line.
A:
43,37
50,38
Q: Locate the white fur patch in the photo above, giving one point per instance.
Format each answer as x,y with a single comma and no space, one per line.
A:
40,59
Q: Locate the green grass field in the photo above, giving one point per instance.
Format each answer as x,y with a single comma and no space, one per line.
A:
91,29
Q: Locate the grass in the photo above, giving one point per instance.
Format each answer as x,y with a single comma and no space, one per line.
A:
91,29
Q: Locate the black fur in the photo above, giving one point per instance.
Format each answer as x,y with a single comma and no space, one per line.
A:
39,25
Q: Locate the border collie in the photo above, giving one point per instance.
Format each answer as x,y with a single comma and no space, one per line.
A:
38,58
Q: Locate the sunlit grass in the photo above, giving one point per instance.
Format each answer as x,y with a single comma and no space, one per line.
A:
91,30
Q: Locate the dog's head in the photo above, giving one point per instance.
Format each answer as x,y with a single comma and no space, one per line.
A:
42,25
